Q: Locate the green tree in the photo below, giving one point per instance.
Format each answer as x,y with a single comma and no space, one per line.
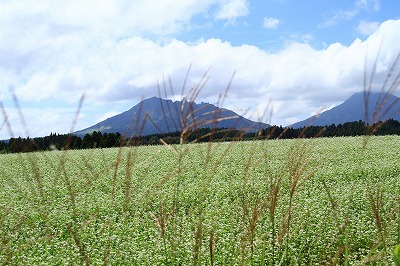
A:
96,139
87,142
76,143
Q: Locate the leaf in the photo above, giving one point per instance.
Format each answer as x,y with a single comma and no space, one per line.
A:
396,255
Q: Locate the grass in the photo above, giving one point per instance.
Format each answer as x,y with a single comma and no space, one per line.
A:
320,201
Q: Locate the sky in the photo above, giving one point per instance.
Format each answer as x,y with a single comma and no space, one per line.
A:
289,59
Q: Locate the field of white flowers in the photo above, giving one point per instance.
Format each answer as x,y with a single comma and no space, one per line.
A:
316,202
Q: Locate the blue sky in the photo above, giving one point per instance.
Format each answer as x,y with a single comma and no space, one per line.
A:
292,57
271,24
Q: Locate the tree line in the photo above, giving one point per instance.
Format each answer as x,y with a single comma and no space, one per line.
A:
356,128
108,140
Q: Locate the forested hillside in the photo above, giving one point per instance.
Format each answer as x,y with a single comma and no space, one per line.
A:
108,140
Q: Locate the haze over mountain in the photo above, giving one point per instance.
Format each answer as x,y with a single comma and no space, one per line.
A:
156,115
381,107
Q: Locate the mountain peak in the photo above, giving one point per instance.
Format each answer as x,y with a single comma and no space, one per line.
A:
157,115
381,107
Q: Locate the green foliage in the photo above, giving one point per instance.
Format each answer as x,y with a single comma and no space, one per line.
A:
396,255
304,201
109,140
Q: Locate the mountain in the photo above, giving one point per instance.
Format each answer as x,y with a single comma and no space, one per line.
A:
381,107
156,115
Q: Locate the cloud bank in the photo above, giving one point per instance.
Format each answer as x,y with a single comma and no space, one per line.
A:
107,51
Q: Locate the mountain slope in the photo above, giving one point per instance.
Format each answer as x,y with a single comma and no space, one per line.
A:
156,115
381,107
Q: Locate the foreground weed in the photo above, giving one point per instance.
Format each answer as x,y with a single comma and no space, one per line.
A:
236,203
383,107
396,255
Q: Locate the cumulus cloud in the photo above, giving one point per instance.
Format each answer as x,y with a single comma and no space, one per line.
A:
111,18
58,56
367,27
271,23
232,9
39,121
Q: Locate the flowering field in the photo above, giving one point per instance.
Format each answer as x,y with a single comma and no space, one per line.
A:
316,202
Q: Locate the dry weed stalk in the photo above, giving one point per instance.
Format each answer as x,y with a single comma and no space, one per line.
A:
36,184
84,257
198,240
300,167
390,84
376,201
190,120
162,218
275,185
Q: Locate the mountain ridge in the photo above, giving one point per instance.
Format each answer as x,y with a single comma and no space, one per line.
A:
381,107
156,115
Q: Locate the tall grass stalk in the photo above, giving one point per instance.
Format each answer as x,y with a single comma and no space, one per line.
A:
266,222
389,86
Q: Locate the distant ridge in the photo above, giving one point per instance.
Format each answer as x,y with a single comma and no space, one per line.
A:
157,115
381,107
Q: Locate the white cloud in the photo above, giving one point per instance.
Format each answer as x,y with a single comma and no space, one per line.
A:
111,18
367,4
302,38
48,53
367,27
342,15
338,16
39,121
271,23
231,9
106,115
